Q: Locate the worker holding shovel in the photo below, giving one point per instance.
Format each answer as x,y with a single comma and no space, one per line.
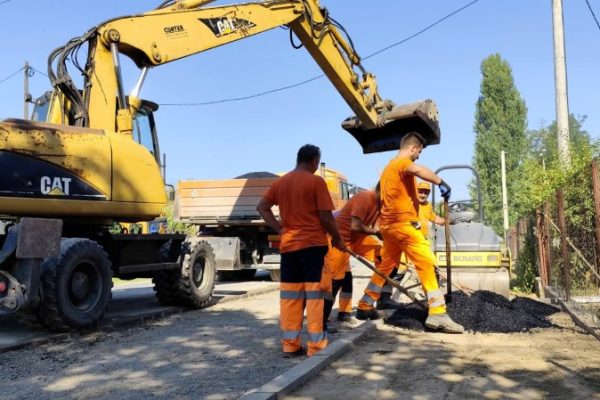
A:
400,228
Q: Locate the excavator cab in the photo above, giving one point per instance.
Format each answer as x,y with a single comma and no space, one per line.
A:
420,117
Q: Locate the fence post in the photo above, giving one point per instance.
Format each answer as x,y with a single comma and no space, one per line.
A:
548,239
596,191
562,225
541,244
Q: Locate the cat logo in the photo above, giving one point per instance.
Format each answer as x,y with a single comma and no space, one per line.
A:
226,25
55,186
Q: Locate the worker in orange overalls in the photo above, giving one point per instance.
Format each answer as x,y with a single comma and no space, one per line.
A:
356,222
400,228
426,213
305,207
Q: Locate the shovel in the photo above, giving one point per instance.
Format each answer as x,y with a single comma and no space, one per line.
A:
388,279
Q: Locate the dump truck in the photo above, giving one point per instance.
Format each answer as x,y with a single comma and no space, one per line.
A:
92,157
223,211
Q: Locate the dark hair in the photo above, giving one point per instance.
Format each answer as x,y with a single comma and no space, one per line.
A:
412,139
308,153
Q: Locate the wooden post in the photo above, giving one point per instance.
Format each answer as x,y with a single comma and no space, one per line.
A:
548,241
596,191
562,225
541,244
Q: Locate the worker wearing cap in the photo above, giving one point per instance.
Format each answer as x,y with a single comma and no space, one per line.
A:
426,214
305,207
356,222
399,227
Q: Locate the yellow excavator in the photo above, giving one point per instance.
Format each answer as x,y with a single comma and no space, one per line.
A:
92,158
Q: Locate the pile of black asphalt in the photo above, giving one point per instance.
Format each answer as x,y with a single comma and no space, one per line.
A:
484,312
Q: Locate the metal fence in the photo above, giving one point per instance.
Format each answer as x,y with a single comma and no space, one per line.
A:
566,244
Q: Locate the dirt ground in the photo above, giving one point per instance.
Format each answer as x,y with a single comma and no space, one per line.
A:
393,363
223,351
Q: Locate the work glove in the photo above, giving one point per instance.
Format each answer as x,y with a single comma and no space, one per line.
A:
445,190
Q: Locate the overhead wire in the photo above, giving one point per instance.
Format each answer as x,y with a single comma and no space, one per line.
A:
314,78
11,75
592,12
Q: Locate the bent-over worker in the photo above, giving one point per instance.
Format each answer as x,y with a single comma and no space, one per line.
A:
305,207
356,222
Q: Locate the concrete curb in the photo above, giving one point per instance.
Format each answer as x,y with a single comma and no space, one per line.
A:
573,314
309,368
111,326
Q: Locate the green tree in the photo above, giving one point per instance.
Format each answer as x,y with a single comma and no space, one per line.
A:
500,124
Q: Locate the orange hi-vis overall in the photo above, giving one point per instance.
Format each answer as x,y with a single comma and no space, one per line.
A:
337,272
399,213
300,196
426,215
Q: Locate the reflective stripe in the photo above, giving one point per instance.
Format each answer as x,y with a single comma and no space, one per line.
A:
290,335
373,287
368,299
435,298
316,337
314,295
387,288
345,295
327,296
291,294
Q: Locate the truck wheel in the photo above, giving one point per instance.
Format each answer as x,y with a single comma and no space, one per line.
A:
197,276
76,286
275,275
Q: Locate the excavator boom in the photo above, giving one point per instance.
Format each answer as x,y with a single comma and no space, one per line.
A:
183,28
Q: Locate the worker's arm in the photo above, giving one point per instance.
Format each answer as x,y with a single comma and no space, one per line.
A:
424,173
330,226
430,176
264,209
357,225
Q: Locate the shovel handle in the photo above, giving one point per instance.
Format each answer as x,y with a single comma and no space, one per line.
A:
448,251
388,279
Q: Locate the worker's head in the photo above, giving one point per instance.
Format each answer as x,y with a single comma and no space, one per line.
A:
309,156
411,146
423,190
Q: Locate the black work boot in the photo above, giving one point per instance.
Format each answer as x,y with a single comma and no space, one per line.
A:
385,302
369,314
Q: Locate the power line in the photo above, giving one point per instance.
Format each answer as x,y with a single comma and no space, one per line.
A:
11,75
260,94
592,12
38,71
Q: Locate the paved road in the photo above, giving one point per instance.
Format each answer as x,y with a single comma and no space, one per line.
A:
129,303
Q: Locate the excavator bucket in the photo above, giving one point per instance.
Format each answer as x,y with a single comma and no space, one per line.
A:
420,117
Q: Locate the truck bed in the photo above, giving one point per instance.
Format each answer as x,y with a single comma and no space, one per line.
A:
221,201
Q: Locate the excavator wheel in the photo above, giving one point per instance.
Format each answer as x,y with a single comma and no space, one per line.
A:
76,286
193,284
198,270
166,281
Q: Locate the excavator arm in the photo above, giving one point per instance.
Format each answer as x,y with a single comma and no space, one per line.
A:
179,29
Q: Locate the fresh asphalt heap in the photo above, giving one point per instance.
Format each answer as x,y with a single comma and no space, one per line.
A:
483,311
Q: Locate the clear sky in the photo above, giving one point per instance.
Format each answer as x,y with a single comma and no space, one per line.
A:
263,134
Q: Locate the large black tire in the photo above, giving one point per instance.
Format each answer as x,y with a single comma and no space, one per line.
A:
76,286
166,281
193,284
198,271
275,275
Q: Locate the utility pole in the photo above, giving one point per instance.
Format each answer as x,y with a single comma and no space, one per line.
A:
27,73
560,81
504,195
